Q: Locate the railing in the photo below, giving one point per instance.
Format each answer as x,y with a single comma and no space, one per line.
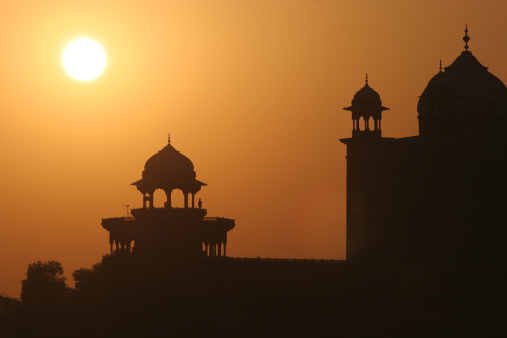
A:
214,219
292,260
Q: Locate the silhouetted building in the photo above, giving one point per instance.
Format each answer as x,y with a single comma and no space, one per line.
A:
181,232
437,199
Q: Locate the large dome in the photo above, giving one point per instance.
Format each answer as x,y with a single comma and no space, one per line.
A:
475,91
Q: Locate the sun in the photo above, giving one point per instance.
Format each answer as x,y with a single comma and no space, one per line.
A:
84,59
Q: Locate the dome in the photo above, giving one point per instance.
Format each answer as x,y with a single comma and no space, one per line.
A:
168,170
366,101
367,95
472,87
168,165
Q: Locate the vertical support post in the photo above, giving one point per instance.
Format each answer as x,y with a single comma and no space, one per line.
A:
193,200
219,249
168,203
186,199
225,249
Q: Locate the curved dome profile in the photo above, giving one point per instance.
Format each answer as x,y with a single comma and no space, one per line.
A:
168,163
168,170
464,99
474,89
367,95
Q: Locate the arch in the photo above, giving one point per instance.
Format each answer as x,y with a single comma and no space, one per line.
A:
177,198
159,198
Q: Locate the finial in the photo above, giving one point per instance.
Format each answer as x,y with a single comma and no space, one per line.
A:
366,81
169,138
466,38
440,65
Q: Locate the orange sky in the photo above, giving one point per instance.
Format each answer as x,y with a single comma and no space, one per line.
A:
250,90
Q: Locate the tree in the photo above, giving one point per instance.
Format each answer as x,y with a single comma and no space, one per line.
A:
44,283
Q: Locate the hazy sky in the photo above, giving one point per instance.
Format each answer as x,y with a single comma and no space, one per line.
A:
250,90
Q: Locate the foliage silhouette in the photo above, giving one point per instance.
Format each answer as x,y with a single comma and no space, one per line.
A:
44,282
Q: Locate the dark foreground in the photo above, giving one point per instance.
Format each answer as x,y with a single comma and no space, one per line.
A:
124,296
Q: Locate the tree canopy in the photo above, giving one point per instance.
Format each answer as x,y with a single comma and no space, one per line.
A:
44,281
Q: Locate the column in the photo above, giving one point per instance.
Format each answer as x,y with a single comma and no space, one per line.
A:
186,199
219,249
193,200
225,249
168,203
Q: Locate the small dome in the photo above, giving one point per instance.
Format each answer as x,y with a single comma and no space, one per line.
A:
366,95
168,170
366,101
168,164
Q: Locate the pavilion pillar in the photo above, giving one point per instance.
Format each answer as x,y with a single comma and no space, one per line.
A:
193,200
219,249
145,199
186,199
225,249
150,200
168,203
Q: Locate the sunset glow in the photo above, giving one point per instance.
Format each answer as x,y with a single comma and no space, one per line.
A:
84,59
251,91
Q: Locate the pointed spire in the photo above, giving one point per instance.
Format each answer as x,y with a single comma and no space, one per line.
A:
440,65
169,138
366,81
466,38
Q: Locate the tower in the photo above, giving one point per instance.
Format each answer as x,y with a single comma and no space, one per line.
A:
362,152
436,200
367,105
463,99
174,232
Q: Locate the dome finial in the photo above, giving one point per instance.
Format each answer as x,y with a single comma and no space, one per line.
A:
169,138
466,38
440,65
366,81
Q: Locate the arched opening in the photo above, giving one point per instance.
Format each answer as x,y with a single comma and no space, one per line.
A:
177,199
159,198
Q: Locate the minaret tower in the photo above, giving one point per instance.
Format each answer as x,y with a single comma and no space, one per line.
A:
366,104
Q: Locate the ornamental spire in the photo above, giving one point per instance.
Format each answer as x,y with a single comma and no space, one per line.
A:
440,65
366,81
169,138
466,38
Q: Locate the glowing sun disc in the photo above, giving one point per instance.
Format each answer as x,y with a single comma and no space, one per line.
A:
84,59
